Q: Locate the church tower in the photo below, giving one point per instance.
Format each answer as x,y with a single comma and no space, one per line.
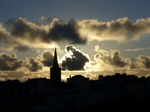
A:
55,70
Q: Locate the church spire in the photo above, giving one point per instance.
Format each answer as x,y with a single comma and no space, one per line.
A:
55,61
55,70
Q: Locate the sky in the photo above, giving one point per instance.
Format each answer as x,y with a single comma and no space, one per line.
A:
92,37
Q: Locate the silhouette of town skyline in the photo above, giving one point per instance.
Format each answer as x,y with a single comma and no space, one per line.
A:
78,93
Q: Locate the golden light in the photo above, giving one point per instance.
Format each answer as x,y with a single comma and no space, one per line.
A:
64,77
51,45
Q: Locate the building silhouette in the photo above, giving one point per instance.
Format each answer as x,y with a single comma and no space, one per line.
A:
55,70
80,83
78,94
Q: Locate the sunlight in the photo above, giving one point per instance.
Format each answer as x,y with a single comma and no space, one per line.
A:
52,45
88,67
64,77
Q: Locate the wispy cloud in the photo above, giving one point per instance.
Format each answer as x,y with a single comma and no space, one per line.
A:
138,49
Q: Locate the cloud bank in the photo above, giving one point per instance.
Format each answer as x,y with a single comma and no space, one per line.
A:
74,59
23,33
114,61
9,62
56,31
121,30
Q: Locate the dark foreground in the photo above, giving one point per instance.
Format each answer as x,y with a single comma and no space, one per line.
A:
123,105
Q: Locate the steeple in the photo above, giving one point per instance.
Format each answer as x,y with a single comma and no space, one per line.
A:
55,70
55,61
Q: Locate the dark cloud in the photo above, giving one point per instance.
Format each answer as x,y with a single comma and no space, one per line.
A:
9,62
113,58
9,22
120,30
4,35
25,30
47,58
133,63
117,60
22,48
9,43
34,65
143,61
55,32
79,32
12,44
68,31
133,66
21,32
75,59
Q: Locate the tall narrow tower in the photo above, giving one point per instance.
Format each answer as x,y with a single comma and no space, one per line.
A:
55,70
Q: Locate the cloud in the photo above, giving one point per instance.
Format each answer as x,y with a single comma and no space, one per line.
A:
47,58
55,32
132,63
121,30
12,44
143,61
9,62
15,45
117,60
106,62
74,59
2,79
112,58
43,20
9,43
3,74
34,64
80,31
23,33
22,48
13,68
96,48
138,49
148,48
